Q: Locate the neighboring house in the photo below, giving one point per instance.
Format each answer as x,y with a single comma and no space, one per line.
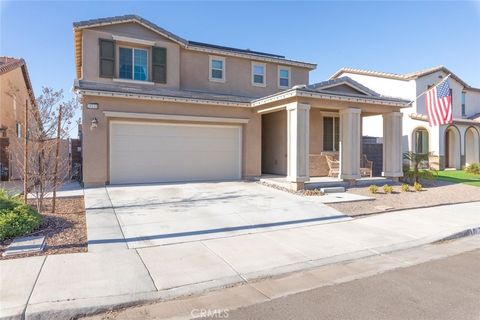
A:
159,108
15,92
449,146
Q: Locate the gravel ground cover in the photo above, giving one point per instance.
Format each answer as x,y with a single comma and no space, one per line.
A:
438,193
65,230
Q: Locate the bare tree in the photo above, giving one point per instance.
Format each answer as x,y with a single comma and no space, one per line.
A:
46,169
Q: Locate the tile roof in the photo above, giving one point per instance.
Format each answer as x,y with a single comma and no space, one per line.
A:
406,76
8,64
247,51
328,83
127,18
161,92
133,18
475,117
191,45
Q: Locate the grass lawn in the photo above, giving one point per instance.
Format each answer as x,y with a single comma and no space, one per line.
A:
460,176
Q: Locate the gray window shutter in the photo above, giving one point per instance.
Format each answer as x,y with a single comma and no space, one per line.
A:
107,58
159,65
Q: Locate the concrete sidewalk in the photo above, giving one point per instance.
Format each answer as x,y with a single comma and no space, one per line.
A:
65,285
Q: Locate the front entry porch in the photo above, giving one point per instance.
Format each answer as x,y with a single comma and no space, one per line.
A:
312,139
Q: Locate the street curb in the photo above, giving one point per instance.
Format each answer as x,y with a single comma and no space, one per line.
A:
90,306
461,234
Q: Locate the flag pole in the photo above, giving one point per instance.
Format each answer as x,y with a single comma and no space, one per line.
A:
421,94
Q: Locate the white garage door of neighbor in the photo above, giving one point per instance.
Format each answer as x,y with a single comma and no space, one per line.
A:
166,152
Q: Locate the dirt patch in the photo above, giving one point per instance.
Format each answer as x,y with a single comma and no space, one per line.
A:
65,230
439,193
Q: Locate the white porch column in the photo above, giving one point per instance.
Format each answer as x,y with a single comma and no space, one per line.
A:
298,127
350,140
392,145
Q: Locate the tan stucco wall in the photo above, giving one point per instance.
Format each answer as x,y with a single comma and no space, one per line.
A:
13,93
316,131
95,142
274,140
90,70
274,143
194,73
186,69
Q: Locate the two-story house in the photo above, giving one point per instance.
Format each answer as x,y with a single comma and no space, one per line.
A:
160,108
449,146
15,92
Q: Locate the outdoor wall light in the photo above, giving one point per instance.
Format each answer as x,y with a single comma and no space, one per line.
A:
94,123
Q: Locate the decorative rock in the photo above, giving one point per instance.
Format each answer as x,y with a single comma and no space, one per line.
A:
25,245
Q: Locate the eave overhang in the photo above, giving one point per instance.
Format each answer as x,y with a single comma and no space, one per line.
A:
166,98
423,117
302,93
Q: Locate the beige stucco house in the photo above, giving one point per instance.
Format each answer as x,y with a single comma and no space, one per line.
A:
159,108
15,92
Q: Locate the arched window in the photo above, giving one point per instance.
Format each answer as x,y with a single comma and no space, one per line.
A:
420,137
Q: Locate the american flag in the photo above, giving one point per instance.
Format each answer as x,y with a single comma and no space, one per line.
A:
439,104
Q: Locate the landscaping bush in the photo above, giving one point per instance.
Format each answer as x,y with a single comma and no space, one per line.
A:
415,171
405,187
417,186
16,218
387,189
473,168
373,188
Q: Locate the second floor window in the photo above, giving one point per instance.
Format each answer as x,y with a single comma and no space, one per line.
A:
283,77
464,111
217,69
258,74
133,64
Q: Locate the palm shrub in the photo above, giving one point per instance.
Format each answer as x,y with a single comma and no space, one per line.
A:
412,173
373,188
16,218
405,187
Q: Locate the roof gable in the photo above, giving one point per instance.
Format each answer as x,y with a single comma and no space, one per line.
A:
129,19
405,77
343,85
78,28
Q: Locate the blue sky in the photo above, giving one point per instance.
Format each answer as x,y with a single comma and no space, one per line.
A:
387,36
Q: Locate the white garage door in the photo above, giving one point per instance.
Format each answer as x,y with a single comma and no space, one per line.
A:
166,152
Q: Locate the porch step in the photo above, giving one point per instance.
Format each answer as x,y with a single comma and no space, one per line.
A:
332,189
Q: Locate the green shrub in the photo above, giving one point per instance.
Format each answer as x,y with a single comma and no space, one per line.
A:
473,168
7,201
373,188
16,218
387,189
417,186
405,187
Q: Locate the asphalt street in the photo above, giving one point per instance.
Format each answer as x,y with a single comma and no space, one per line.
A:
448,288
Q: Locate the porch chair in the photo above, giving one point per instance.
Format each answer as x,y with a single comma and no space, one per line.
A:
333,166
366,166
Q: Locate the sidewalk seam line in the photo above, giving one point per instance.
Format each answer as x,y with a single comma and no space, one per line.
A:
226,262
33,287
148,271
116,217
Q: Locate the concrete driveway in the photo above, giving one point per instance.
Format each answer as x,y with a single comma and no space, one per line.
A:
160,214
